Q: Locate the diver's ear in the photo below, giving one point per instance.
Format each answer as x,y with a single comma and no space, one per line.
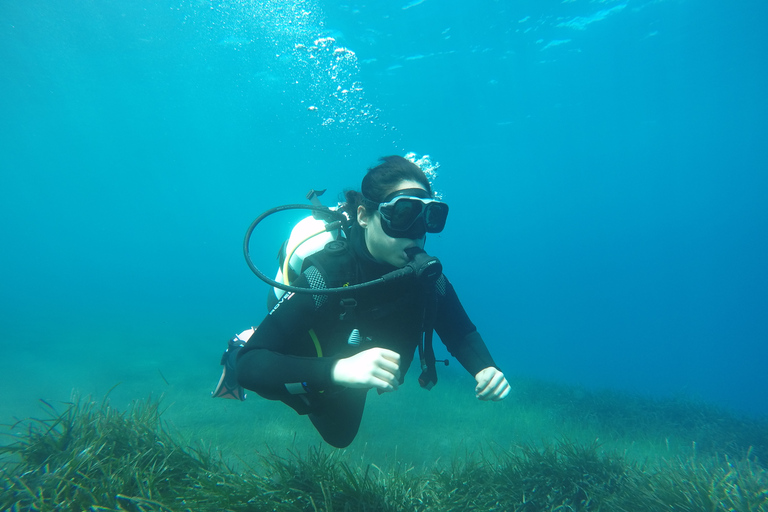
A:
362,216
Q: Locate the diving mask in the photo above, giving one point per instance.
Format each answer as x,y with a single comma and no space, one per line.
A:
409,214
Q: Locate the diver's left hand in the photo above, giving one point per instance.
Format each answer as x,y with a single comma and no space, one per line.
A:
491,385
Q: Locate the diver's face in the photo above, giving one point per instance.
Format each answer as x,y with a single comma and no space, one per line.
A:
383,247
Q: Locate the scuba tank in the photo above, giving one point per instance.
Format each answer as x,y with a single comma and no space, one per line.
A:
308,236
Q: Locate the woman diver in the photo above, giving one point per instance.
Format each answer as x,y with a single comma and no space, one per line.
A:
321,353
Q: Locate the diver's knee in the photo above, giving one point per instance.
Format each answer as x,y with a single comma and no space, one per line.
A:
333,432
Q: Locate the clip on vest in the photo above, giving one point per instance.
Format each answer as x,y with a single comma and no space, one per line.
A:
348,304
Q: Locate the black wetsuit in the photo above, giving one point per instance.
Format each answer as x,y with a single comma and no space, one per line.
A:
292,353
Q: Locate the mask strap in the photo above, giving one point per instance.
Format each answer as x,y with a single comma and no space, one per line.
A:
412,192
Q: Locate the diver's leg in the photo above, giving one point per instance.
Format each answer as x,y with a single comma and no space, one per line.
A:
339,417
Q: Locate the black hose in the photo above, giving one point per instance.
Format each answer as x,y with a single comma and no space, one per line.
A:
338,223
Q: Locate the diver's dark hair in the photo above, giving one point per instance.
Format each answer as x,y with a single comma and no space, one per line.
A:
380,180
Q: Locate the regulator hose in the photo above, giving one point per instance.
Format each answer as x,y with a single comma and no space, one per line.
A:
421,265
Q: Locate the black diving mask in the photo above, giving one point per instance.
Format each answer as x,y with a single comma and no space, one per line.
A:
409,214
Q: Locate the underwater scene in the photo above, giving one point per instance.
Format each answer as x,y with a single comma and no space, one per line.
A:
605,163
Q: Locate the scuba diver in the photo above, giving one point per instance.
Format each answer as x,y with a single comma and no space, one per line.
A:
358,310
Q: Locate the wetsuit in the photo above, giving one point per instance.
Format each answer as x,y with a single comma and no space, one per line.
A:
291,355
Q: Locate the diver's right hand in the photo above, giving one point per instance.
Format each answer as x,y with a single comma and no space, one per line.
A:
373,368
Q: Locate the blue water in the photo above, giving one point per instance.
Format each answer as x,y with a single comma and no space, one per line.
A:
605,163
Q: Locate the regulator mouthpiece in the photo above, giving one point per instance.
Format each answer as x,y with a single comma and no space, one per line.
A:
423,265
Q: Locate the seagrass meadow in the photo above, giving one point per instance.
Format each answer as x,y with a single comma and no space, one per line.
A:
548,448
605,166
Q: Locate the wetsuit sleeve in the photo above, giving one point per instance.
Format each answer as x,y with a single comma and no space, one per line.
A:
458,333
278,353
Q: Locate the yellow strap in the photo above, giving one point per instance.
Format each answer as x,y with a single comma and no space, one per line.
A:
316,342
289,250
